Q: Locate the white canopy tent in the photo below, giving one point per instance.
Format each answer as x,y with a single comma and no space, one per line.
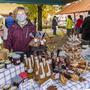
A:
5,8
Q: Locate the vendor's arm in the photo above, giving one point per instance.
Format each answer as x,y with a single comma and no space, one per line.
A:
32,35
33,30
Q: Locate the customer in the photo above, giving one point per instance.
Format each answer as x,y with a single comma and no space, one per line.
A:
79,25
54,24
69,25
9,21
20,33
86,28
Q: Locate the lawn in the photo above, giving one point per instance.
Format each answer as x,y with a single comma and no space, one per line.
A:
55,41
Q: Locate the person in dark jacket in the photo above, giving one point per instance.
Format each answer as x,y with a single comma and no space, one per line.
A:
9,21
20,33
54,24
86,28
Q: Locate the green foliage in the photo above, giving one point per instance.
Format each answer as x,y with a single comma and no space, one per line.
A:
33,10
48,9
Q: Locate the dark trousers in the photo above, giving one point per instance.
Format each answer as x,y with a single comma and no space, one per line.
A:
54,31
68,32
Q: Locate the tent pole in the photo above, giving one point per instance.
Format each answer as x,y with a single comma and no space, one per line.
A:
74,17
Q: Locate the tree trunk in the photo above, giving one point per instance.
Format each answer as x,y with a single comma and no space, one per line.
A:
40,17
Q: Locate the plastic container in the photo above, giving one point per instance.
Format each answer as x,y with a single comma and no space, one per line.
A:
21,55
8,64
16,59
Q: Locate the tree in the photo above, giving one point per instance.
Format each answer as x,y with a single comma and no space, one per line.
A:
40,17
48,9
33,10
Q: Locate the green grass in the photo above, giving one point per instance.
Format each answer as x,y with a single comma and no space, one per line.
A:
55,41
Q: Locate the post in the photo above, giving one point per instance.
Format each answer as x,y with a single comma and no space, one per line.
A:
40,17
74,17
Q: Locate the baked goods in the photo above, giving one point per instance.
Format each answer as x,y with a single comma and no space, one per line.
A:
81,67
74,77
81,79
52,88
3,55
63,80
53,76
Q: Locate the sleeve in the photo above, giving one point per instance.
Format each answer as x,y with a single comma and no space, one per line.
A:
5,33
8,42
33,30
6,23
83,28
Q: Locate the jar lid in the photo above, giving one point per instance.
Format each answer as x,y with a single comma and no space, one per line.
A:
15,56
2,61
2,65
11,54
7,86
7,62
18,52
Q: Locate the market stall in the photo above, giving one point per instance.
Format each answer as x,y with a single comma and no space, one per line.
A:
40,69
64,69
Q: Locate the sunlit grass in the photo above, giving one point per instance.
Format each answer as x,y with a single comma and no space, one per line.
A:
55,41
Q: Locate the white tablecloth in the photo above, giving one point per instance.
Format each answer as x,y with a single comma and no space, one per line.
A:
70,84
32,85
5,77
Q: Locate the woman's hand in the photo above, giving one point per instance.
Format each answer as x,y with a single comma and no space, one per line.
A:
31,43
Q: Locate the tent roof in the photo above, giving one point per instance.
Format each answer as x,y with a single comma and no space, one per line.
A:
58,2
79,6
5,8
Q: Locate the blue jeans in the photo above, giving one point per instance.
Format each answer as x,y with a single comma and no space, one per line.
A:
68,32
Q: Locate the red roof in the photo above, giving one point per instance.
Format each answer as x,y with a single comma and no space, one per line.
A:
79,6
